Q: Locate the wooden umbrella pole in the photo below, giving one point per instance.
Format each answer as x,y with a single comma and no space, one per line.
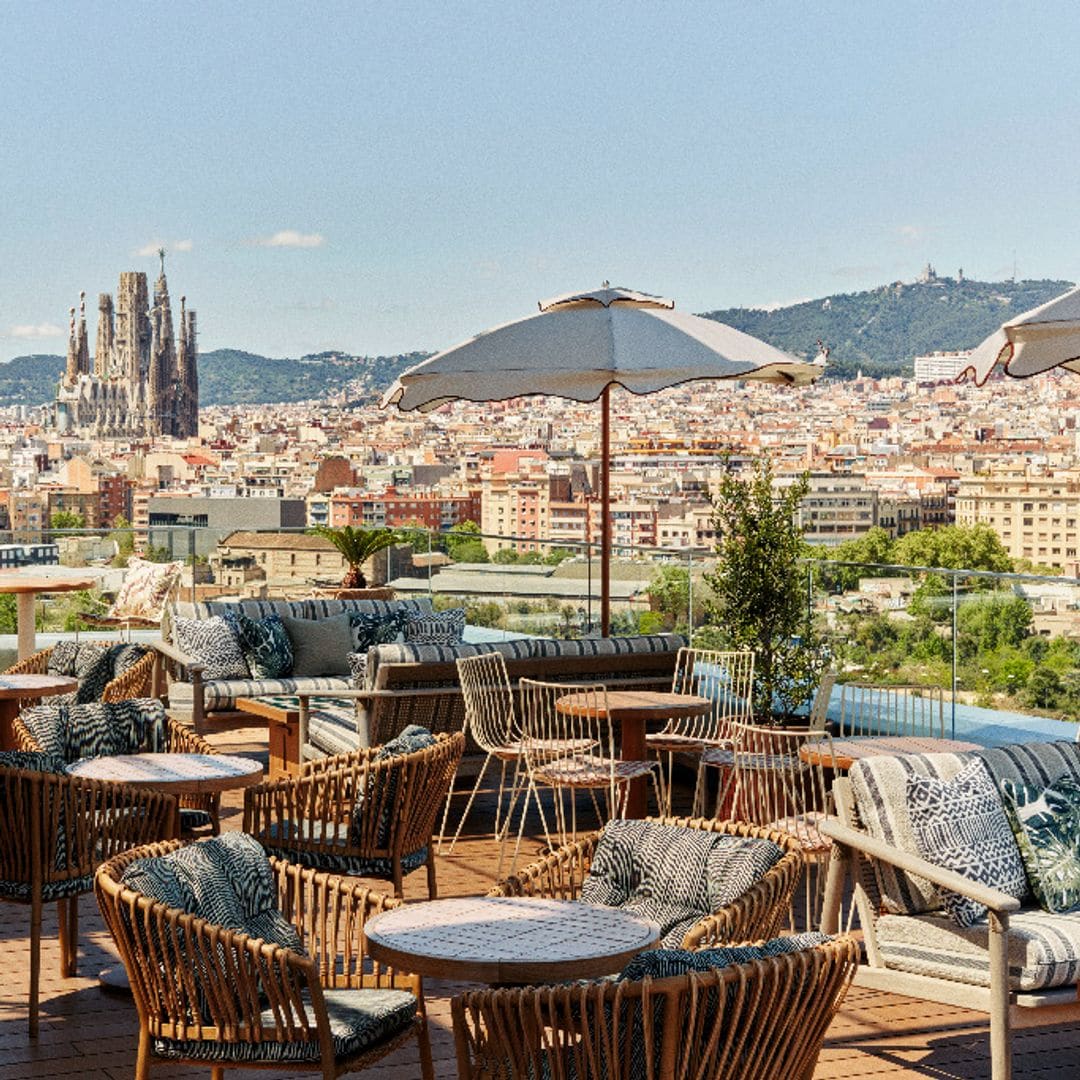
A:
605,511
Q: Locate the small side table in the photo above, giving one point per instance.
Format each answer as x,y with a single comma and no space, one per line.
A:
508,939
16,688
26,587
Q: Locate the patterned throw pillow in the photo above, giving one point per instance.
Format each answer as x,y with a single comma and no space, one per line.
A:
373,628
264,642
213,644
1046,824
960,824
357,662
439,628
144,589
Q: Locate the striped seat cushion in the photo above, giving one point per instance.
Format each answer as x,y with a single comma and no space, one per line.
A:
331,855
590,772
405,653
221,694
672,875
1044,949
1034,764
609,646
359,1020
880,788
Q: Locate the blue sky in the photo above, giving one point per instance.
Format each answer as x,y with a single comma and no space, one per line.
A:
387,177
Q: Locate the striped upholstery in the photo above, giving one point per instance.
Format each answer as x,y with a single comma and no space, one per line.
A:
880,788
672,875
401,653
666,962
1037,764
609,646
358,1020
329,860
1044,949
315,608
222,693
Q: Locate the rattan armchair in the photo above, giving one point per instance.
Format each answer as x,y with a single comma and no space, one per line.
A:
757,913
55,830
359,814
222,998
202,810
134,683
761,1020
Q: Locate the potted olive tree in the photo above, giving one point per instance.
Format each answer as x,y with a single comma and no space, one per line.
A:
759,597
357,546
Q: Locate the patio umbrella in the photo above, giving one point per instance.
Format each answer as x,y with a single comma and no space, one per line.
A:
1045,337
578,346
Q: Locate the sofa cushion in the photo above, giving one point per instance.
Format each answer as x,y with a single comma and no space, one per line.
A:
1044,949
226,880
403,653
880,788
264,643
145,586
359,1019
609,646
668,874
374,628
438,628
1037,764
960,824
71,732
1046,823
213,644
319,645
319,608
221,694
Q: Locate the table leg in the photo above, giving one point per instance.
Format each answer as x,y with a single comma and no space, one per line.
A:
633,749
24,606
9,709
284,732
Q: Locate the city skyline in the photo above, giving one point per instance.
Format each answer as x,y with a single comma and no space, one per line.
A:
381,181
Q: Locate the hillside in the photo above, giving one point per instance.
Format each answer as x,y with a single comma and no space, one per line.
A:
883,330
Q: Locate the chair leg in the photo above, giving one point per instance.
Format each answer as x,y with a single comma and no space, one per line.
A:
427,1067
432,884
35,962
465,812
142,1061
397,877
67,914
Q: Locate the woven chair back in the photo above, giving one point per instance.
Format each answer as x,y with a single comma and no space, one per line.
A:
726,679
780,779
489,701
866,709
765,1019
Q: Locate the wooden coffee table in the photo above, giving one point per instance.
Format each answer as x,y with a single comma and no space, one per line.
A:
18,688
508,939
286,721
631,710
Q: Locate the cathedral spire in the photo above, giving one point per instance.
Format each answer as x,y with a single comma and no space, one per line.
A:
71,370
106,331
82,345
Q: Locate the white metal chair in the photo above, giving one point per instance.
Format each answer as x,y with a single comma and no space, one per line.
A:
727,680
569,747
819,707
491,720
782,781
866,709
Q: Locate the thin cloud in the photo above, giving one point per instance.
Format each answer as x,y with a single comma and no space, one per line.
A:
776,305
911,234
37,330
290,238
151,249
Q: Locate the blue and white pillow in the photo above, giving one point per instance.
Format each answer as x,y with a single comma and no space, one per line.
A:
265,644
212,643
371,628
439,628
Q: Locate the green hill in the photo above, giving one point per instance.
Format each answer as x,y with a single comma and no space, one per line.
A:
883,330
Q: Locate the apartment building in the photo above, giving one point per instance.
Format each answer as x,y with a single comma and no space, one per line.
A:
837,507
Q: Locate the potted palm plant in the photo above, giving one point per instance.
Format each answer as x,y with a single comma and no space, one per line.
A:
356,547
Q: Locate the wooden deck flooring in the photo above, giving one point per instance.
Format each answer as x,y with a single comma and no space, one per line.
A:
86,1032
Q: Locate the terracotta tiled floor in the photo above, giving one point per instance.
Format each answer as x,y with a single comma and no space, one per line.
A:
86,1032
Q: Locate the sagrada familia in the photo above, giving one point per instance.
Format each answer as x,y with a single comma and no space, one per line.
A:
143,380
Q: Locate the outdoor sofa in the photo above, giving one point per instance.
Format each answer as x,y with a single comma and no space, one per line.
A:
1016,958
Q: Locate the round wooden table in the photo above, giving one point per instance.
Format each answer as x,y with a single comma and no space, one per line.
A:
508,939
632,710
17,688
847,751
26,587
177,774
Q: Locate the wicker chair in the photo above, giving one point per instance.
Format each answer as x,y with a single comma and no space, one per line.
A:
238,975
765,1020
757,913
196,811
133,683
55,831
359,814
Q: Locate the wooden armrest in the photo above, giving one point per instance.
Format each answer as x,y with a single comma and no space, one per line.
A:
873,848
173,653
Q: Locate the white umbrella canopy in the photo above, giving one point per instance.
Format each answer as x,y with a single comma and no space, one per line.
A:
578,346
1045,337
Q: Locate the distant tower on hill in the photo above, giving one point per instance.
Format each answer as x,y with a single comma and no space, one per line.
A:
141,383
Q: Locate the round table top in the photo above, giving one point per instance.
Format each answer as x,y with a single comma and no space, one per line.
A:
24,686
37,583
847,751
185,774
508,939
637,704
